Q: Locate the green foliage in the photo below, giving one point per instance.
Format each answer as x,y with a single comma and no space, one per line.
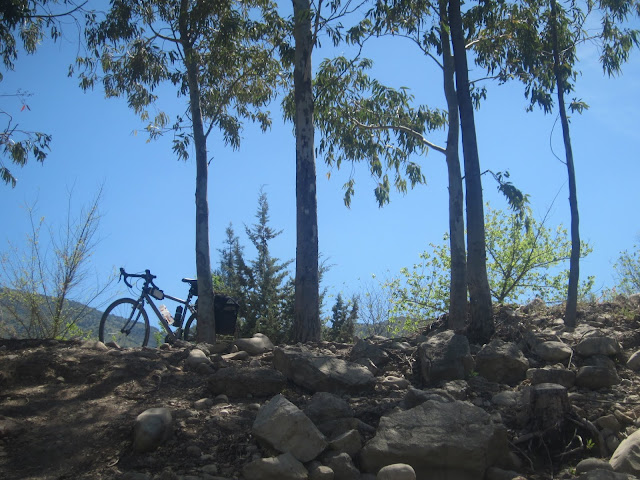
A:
141,46
627,269
524,257
343,320
262,286
37,283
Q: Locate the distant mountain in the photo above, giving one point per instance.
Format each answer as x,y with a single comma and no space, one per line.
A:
88,317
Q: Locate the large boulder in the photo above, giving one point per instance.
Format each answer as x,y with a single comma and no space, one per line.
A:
553,351
322,373
441,441
255,345
445,356
596,377
151,429
283,467
284,427
241,382
502,362
626,458
598,345
366,349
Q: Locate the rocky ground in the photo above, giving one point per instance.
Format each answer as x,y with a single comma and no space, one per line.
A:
67,409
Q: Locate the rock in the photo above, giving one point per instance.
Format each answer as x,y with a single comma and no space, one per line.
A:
634,361
321,472
605,475
507,398
283,467
415,397
196,357
322,373
256,345
502,362
596,377
283,426
241,355
439,440
626,458
589,464
365,349
94,345
152,428
397,471
395,383
445,356
240,382
534,305
610,422
342,466
555,374
349,442
598,345
327,406
553,351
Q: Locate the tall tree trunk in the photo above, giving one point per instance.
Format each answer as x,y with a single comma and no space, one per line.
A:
307,301
574,262
206,331
481,326
458,283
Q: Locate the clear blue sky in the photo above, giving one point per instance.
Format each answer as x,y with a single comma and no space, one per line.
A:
148,204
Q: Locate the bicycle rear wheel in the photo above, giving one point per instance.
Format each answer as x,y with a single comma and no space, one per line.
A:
191,329
126,323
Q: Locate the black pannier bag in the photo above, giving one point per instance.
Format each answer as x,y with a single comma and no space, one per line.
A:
226,311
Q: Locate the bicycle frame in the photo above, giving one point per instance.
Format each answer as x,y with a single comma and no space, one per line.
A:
145,296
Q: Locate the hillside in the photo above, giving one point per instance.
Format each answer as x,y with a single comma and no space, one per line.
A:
67,409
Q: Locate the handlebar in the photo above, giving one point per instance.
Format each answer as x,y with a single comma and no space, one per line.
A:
147,276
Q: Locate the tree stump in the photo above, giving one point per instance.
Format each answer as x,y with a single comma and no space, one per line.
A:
549,409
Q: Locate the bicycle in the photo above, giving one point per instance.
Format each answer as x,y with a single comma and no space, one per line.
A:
126,322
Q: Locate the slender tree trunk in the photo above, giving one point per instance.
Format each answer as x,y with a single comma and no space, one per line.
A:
481,326
458,283
307,301
574,262
206,316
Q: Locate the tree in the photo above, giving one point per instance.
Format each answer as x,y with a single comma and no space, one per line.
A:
343,320
536,41
524,260
222,56
628,271
307,283
267,280
28,20
481,325
36,285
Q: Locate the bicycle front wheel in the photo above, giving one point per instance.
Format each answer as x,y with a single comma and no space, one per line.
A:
191,329
125,323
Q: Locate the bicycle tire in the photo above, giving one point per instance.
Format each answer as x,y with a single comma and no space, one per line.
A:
191,330
115,319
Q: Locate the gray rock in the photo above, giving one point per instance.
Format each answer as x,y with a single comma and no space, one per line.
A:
349,442
397,471
589,464
626,458
610,422
342,466
395,383
553,351
445,356
415,397
321,373
366,349
240,382
605,475
321,472
241,355
282,425
507,398
151,429
283,467
502,362
598,345
553,374
634,361
256,345
327,406
196,357
596,377
439,440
